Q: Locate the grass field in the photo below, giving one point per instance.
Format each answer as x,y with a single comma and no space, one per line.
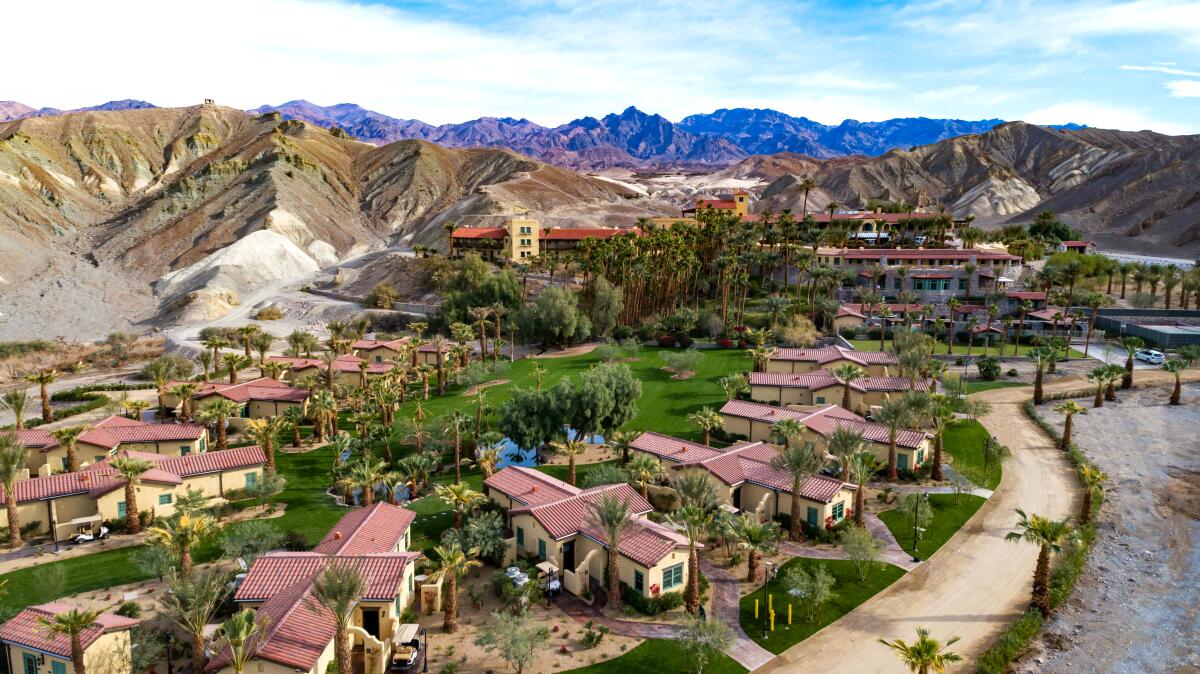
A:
959,349
849,592
658,657
977,386
963,441
948,517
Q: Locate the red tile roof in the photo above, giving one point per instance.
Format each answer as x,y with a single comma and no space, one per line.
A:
825,425
528,486
264,388
1076,244
23,629
379,528
870,217
217,461
672,449
1048,313
888,384
298,631
643,541
391,344
564,517
821,379
752,463
727,204
858,310
346,363
830,354
479,233
115,430
276,572
36,438
577,234
772,414
1026,295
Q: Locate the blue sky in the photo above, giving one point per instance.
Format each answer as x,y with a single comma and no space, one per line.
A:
1128,65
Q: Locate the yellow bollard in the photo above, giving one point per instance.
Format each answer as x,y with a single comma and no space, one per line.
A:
772,621
771,603
789,614
756,609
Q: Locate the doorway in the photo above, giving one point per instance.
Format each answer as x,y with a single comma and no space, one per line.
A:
568,551
370,621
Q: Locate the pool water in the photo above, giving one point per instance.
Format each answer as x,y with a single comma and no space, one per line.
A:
511,455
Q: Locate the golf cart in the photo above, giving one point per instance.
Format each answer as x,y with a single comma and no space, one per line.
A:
406,649
89,535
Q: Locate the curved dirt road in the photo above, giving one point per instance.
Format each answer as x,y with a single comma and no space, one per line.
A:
977,582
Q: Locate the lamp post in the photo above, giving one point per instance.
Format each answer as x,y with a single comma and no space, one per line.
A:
425,655
917,518
765,610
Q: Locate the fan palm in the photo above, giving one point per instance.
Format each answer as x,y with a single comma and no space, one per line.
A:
15,402
450,564
131,470
799,462
461,497
1041,357
192,602
13,458
863,466
622,441
940,413
338,589
1176,368
264,432
366,475
71,624
44,379
895,414
184,392
294,416
182,535
233,363
847,374
610,515
708,420
456,423
216,413
843,443
1093,484
239,636
924,655
787,430
68,438
1068,409
1049,536
572,449
644,471
757,538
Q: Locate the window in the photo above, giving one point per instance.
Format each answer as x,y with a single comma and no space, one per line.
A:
203,443
165,499
251,479
99,457
839,509
820,400
672,576
184,450
962,283
64,464
920,456
520,538
542,549
378,359
57,667
121,509
813,515
31,666
639,581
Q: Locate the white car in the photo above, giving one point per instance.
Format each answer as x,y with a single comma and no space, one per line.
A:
1150,356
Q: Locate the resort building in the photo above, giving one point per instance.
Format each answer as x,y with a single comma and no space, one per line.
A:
932,274
108,436
1081,247
348,370
63,504
29,649
801,361
821,387
299,634
855,315
258,398
653,558
747,481
876,227
669,451
755,422
522,238
377,351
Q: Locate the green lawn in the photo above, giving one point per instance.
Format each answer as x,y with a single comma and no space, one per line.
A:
948,517
959,349
977,386
657,657
963,441
849,592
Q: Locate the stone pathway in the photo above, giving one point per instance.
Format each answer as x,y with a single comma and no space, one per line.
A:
892,552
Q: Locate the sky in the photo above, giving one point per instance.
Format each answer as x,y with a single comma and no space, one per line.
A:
1127,65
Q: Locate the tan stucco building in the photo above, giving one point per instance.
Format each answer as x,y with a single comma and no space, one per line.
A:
821,387
31,650
803,361
108,436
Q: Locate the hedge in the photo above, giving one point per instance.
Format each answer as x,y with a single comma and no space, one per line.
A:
86,396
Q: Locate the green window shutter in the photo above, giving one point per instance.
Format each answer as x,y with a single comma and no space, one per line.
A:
520,537
542,549
251,479
121,509
57,667
639,581
164,499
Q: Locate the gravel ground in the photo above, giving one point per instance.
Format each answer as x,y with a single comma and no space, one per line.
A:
1137,606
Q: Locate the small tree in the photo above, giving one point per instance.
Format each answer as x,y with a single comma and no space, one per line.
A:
513,638
239,637
450,563
1048,535
925,654
268,485
1068,409
704,640
382,296
917,513
192,603
812,589
248,540
861,549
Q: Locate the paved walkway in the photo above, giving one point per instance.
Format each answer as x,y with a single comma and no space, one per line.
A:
892,552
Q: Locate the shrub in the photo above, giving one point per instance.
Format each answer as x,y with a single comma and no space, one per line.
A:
623,332
1011,644
725,343
665,501
271,313
681,361
593,634
129,609
666,340
848,333
1012,373
989,368
294,541
666,601
382,296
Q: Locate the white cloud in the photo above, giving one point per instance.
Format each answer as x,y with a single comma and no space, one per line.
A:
1103,116
1162,68
1184,88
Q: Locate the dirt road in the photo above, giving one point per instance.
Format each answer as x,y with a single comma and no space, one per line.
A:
977,583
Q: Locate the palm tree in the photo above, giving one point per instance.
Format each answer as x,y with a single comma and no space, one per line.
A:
1093,483
294,416
1049,535
44,379
622,441
131,470
843,443
366,475
15,402
416,469
610,514
72,625
184,392
1100,378
644,471
193,602
862,467
895,414
68,437
216,412
182,535
239,636
800,463
137,408
159,371
13,458
1041,357
233,363
338,589
450,564
847,374
457,422
572,449
1176,368
205,360
787,430
481,315
924,655
757,538
323,409
461,497
264,432
1131,345
708,420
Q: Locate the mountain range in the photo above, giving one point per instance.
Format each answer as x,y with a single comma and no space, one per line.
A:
630,139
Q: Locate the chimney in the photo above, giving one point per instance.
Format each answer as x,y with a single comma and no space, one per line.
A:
337,535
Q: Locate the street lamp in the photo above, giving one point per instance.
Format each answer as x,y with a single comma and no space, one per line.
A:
766,580
917,518
425,656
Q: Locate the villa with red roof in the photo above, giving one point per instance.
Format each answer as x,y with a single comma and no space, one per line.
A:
1081,247
257,398
932,274
821,387
754,422
348,370
851,315
550,520
300,633
106,643
746,480
107,436
802,361
378,351
64,503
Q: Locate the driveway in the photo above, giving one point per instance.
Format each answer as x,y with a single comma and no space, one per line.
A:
977,582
